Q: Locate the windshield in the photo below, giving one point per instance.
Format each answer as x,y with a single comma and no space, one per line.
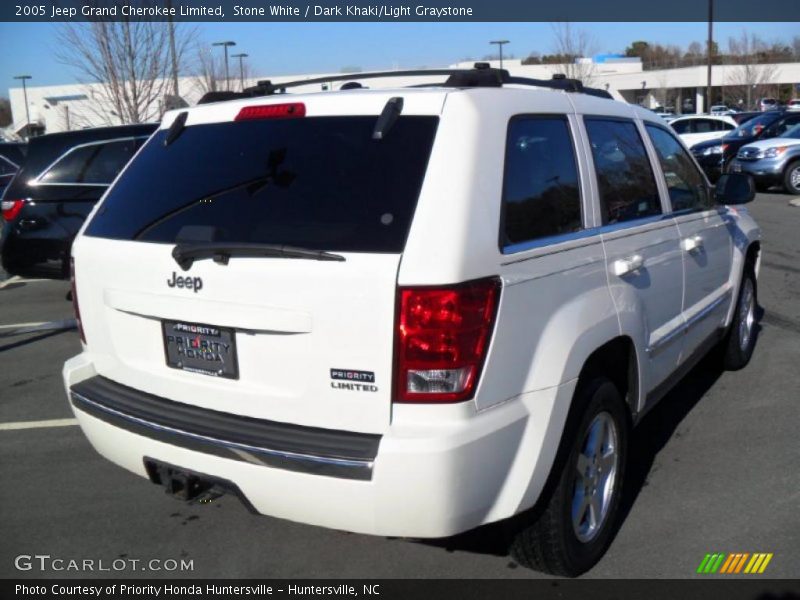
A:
752,127
321,183
792,132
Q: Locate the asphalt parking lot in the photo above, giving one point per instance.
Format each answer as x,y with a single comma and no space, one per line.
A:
715,469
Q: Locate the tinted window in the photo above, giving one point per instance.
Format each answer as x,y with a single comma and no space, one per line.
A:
705,126
624,175
322,183
782,126
6,168
540,187
682,127
687,187
97,163
792,132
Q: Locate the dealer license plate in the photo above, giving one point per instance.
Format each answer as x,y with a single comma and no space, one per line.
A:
199,348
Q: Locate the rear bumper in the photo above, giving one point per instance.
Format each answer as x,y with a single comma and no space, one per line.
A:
348,455
436,471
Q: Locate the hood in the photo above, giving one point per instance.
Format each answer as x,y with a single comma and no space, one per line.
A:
712,143
774,143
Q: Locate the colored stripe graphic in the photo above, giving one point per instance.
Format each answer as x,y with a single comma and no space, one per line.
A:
726,567
717,563
702,567
741,561
734,563
765,563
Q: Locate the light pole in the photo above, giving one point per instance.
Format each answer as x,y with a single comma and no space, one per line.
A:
226,45
24,78
710,48
172,53
500,44
241,56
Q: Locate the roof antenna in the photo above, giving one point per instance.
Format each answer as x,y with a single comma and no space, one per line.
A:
176,129
388,117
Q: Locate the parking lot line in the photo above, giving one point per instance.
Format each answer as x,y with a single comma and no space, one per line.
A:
20,328
38,424
17,278
18,325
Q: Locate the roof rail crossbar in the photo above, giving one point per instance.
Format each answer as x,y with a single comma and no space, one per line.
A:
267,88
481,76
561,83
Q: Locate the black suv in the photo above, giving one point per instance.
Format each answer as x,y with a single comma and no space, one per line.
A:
715,155
63,176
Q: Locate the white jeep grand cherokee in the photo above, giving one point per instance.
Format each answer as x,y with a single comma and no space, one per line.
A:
407,312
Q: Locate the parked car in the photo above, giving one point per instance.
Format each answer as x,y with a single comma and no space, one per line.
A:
768,104
694,129
407,312
793,104
11,157
722,110
772,162
665,112
715,155
63,176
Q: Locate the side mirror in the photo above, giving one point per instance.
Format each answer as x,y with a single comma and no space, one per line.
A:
735,188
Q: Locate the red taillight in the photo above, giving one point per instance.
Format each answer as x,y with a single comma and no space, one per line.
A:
75,306
11,209
442,337
290,110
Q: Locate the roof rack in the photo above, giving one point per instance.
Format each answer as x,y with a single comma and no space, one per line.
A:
482,75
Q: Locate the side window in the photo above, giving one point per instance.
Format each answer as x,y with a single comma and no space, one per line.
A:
725,126
704,126
92,164
6,168
541,192
682,127
687,187
784,125
624,175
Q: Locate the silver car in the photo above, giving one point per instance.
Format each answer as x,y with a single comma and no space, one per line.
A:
772,162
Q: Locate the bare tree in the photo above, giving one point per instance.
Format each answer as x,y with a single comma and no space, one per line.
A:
574,46
753,76
128,63
208,70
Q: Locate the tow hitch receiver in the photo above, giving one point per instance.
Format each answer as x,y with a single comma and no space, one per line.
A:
182,484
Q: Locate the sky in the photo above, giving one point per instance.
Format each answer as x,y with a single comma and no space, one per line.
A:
297,48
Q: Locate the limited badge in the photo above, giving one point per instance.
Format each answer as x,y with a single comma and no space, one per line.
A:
350,379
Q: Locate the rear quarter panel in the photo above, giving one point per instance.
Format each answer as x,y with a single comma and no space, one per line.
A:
555,308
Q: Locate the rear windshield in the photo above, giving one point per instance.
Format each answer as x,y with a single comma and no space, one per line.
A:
321,183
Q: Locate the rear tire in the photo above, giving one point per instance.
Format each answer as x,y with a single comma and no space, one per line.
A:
791,178
739,342
580,516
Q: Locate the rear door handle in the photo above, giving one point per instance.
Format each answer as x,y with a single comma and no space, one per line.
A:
624,266
692,244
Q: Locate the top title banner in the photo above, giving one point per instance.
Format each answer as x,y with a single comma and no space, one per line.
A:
396,11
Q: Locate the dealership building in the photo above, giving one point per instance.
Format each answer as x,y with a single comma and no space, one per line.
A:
59,108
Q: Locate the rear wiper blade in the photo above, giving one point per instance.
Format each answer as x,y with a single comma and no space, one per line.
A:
186,253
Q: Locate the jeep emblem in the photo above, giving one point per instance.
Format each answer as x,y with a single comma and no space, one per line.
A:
190,283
